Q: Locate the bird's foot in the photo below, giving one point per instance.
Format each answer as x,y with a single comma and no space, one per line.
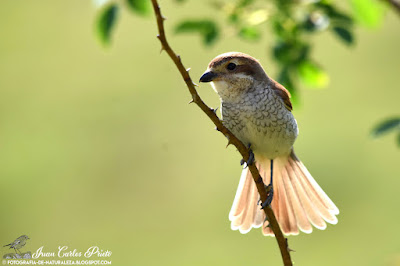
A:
259,202
270,195
251,159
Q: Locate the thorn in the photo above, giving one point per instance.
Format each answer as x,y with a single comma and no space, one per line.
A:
287,246
163,18
191,101
162,49
187,70
216,128
268,225
214,110
229,143
179,58
194,84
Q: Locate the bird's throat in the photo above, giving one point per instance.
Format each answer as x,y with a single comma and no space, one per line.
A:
226,91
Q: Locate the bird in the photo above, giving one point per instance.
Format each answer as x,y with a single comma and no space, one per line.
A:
18,243
258,111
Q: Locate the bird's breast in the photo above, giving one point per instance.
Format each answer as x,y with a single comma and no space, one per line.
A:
261,119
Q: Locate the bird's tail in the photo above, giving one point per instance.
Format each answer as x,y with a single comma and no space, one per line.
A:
298,201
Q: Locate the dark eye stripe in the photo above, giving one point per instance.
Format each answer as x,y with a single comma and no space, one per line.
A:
246,69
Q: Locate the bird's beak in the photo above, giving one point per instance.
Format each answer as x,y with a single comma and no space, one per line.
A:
208,76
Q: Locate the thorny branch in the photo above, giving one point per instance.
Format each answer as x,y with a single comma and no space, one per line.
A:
282,241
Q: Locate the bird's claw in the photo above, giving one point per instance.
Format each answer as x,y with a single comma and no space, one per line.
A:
267,202
251,159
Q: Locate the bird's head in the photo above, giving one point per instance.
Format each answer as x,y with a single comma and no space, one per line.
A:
233,73
23,237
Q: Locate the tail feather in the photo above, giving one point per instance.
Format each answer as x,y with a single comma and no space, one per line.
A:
286,208
316,188
242,217
267,231
259,219
311,211
326,213
241,195
248,218
298,203
301,216
283,207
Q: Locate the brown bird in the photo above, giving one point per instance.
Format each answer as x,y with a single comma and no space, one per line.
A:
257,110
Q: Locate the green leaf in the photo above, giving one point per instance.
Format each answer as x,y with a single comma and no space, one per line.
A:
341,18
290,53
244,3
344,34
250,33
141,7
278,28
398,139
233,17
207,28
335,14
368,12
106,22
312,75
386,126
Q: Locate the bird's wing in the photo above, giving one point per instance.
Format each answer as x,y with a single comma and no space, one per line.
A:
16,242
283,93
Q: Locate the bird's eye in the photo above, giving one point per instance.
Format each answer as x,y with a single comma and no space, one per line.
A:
231,66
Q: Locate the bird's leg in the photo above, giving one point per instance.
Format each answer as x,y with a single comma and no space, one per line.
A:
270,189
251,157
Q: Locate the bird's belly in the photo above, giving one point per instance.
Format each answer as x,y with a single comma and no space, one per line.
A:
271,145
268,137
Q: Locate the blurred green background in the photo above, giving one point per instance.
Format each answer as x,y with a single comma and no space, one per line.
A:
99,146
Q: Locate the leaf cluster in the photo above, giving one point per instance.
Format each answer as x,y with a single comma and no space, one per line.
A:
293,24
